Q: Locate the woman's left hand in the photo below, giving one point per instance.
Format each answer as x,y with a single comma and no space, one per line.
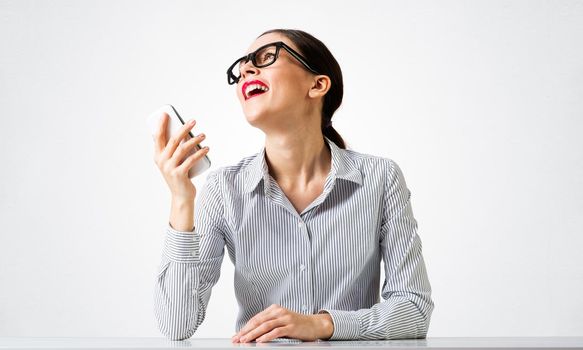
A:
277,322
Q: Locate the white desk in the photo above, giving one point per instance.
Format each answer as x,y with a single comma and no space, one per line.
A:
202,343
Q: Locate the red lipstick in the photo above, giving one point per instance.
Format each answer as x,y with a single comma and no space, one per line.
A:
252,82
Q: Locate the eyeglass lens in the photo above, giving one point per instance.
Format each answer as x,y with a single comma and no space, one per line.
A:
263,57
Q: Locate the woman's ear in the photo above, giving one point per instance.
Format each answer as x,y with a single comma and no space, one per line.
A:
320,86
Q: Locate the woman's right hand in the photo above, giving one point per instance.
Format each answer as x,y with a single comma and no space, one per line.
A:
169,157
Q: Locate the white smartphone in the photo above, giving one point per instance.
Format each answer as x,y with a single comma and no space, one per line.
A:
175,123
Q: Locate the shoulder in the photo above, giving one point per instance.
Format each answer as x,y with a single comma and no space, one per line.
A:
381,172
233,173
370,164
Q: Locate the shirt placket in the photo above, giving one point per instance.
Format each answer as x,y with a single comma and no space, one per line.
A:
304,270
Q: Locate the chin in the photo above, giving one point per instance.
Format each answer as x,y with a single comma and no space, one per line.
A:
255,118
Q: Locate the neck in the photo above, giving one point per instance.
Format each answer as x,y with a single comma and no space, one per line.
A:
297,161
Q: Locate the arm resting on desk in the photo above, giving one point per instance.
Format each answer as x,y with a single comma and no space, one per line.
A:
407,306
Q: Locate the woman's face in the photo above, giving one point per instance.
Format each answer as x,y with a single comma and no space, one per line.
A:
287,83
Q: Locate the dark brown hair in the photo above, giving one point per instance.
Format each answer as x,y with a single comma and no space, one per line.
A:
321,59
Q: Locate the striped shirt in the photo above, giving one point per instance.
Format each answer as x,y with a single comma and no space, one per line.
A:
325,259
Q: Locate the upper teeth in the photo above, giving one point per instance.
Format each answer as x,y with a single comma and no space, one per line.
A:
253,87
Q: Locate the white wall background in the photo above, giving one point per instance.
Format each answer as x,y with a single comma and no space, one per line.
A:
479,102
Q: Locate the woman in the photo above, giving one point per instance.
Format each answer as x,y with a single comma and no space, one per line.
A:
305,221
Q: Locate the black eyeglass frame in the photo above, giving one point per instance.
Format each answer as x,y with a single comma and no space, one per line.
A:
232,79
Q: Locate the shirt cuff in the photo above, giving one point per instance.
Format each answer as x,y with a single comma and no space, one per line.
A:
181,246
346,324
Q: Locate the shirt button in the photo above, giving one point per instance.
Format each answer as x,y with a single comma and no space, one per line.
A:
302,267
300,224
304,308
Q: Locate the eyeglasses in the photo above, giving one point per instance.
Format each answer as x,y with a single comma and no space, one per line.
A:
262,57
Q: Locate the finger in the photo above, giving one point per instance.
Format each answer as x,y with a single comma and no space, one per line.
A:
192,159
278,332
185,148
177,140
256,320
264,328
160,134
174,141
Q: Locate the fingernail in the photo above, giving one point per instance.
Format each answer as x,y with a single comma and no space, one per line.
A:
191,122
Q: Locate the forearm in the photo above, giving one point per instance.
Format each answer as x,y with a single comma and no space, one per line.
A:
177,302
396,318
182,215
187,273
176,307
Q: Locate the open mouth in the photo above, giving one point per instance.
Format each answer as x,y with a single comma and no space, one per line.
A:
254,88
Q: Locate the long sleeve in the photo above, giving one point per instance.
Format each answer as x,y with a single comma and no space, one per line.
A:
406,309
190,267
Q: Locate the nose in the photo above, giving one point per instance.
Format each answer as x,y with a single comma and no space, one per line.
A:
248,68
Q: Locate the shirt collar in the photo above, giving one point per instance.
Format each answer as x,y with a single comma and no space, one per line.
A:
343,167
